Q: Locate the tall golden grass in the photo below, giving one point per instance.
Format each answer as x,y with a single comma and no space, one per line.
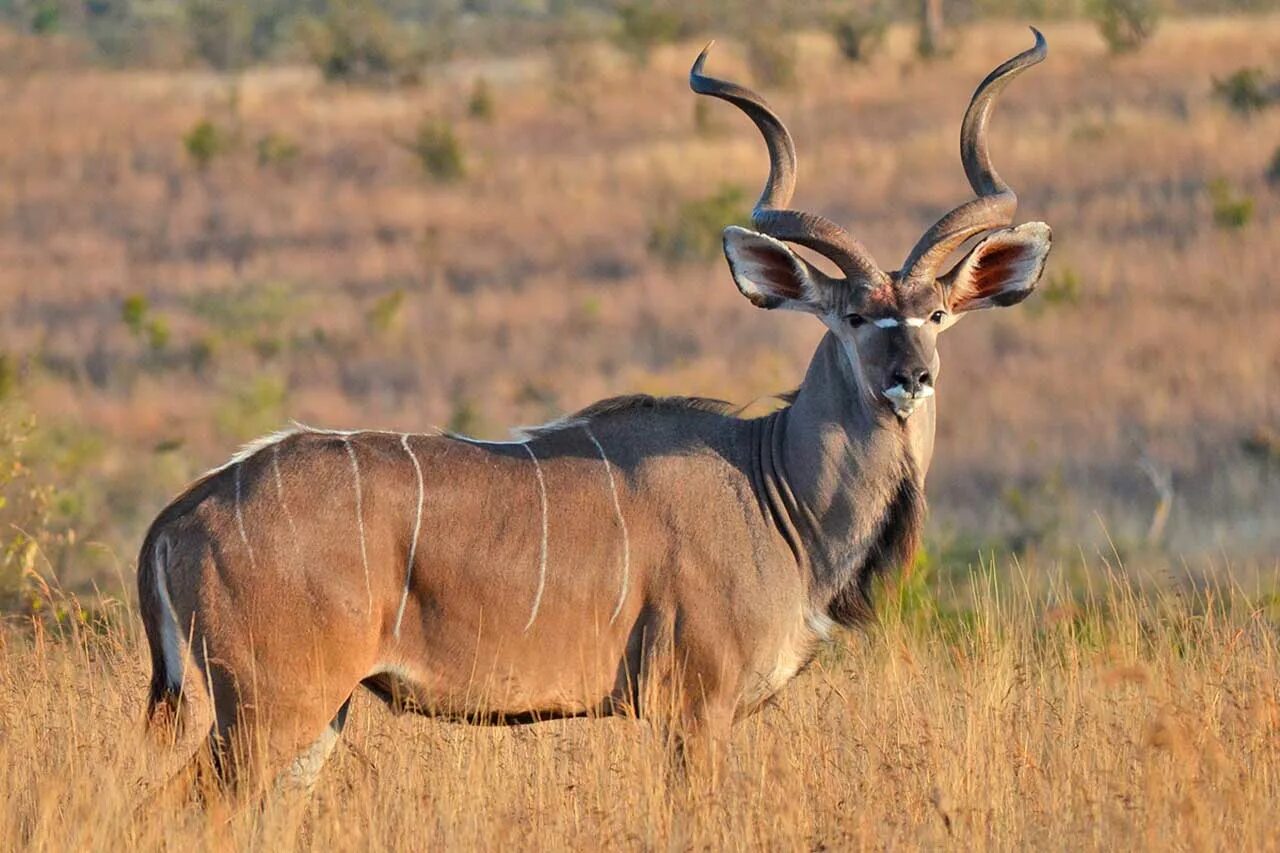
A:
1020,715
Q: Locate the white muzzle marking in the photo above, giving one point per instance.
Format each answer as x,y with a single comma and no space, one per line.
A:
903,401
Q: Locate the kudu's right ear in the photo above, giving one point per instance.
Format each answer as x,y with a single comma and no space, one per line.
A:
771,275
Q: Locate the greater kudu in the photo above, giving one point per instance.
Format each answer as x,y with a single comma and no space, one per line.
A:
638,545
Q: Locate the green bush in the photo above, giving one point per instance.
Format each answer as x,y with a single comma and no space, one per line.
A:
438,150
28,507
1125,25
114,30
480,105
386,315
641,27
8,376
1244,91
202,352
694,232
231,34
279,152
252,409
466,419
134,312
1231,211
355,40
1062,289
220,31
205,142
46,18
859,34
143,324
1037,511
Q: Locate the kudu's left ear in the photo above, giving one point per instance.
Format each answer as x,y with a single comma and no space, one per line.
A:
768,273
1001,270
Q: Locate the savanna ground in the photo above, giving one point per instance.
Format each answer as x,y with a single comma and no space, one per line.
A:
1085,657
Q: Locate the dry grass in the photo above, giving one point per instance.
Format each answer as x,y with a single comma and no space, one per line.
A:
1117,722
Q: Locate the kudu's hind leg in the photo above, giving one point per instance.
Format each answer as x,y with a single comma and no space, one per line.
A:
245,755
304,770
265,741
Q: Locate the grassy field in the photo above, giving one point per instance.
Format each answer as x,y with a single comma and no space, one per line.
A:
1087,655
1013,717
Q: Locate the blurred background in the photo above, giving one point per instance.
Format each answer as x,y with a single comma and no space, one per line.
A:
220,215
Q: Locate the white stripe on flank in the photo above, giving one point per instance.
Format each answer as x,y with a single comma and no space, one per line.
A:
284,504
542,558
364,553
417,526
622,524
244,536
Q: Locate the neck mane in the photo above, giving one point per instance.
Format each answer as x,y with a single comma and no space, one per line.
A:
843,484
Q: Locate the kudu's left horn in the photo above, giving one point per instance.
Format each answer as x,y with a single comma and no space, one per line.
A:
771,215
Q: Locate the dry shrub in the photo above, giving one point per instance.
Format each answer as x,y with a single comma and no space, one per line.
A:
859,35
1125,25
693,232
438,150
1246,91
356,40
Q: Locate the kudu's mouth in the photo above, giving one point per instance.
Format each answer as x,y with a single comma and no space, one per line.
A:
905,402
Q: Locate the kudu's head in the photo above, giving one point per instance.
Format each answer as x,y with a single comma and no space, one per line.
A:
887,322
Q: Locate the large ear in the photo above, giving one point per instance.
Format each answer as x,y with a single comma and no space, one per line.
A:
1001,270
771,275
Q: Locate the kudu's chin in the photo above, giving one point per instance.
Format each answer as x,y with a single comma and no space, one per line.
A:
905,402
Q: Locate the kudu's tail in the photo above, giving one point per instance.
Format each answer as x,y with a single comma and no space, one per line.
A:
165,638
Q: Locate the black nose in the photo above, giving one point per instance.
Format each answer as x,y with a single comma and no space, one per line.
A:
912,380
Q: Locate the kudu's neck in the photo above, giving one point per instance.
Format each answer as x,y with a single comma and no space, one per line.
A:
843,462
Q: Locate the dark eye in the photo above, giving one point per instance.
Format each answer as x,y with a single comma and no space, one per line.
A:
855,320
938,316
